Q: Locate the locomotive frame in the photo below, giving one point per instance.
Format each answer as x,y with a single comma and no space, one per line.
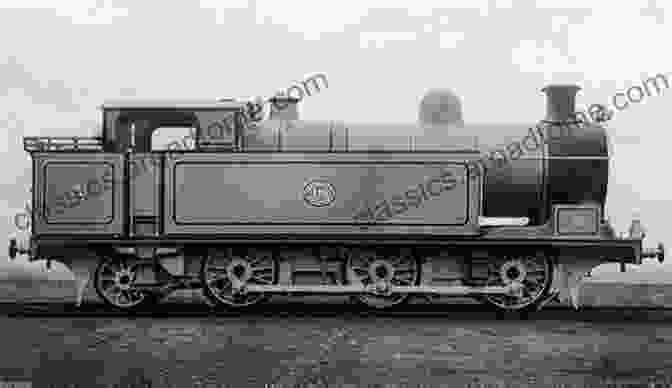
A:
144,226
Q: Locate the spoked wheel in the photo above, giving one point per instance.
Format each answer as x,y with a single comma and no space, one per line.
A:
369,269
114,281
224,275
533,275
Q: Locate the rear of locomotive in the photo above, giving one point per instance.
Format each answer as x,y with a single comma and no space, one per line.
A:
294,207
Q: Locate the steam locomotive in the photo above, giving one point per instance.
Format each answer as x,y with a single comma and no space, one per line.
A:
278,205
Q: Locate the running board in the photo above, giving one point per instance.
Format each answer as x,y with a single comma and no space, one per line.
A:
357,290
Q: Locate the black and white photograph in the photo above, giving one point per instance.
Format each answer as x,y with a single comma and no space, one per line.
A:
390,194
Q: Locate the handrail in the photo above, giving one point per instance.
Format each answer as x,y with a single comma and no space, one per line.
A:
215,144
61,143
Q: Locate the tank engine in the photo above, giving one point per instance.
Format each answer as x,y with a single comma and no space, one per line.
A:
512,215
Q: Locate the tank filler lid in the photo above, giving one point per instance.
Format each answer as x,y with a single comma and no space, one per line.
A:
284,107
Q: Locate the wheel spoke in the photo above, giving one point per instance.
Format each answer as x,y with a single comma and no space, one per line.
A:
117,299
127,296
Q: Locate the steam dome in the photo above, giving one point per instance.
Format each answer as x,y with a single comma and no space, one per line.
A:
440,107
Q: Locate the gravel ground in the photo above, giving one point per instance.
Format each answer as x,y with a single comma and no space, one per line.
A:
328,344
295,344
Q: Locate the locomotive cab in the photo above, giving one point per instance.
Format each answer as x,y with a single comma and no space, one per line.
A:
129,125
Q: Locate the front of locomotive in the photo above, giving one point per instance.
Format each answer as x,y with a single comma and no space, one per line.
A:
578,156
553,177
561,161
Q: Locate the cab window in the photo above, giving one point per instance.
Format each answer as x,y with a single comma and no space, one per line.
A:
173,138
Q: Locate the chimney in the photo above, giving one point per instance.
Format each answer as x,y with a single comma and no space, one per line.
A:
284,108
560,103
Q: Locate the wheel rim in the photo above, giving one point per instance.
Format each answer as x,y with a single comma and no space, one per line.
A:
370,269
532,274
114,282
221,271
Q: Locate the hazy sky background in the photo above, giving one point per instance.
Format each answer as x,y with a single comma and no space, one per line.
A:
59,62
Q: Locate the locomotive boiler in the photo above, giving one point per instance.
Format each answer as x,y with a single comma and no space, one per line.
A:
512,215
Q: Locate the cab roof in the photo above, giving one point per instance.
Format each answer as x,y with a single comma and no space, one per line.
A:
172,104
